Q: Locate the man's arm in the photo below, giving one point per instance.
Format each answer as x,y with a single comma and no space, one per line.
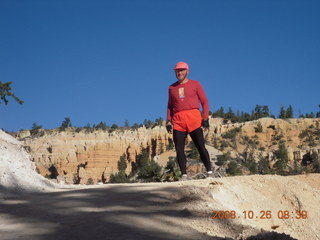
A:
169,114
204,101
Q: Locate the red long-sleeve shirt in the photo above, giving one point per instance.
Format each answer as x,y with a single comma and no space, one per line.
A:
187,96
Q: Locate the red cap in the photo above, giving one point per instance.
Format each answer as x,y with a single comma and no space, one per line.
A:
181,65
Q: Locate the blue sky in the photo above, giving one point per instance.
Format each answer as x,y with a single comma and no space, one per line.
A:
112,61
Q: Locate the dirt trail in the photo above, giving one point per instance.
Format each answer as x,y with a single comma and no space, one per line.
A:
181,210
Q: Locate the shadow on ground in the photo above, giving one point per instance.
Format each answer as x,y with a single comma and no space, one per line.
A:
112,212
109,212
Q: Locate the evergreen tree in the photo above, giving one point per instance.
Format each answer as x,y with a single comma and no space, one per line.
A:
257,113
147,123
258,128
122,163
310,115
121,176
282,156
159,121
65,124
114,127
193,152
318,113
5,91
289,112
126,124
263,166
218,113
102,126
282,113
230,115
265,111
245,117
173,169
35,128
233,169
222,159
147,170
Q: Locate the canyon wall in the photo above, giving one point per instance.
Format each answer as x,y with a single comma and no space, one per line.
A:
79,157
73,156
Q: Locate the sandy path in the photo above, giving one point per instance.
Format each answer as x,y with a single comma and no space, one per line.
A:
140,211
166,210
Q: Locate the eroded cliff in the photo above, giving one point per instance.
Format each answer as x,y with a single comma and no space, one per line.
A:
79,157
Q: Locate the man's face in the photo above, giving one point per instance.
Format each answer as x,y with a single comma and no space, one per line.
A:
181,74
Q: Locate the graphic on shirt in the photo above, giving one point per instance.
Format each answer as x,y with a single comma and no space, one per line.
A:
181,92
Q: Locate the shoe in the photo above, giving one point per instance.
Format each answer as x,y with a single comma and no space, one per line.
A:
185,177
210,174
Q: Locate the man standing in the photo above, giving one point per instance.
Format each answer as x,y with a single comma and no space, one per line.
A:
184,116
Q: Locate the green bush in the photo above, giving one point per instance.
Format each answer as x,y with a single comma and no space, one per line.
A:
258,128
174,173
90,181
233,169
193,152
150,172
263,166
146,169
119,177
232,133
222,159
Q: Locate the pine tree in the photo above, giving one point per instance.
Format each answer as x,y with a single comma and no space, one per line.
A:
147,170
65,124
318,113
265,111
257,113
35,128
121,176
126,124
218,113
5,92
289,112
159,121
122,164
282,156
282,113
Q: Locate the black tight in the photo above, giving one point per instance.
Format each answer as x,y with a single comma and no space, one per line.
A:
179,139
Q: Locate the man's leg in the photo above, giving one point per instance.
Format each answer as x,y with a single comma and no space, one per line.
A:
198,139
179,139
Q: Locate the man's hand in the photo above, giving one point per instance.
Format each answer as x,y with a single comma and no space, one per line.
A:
169,127
205,124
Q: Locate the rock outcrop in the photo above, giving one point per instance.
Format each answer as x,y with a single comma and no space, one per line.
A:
17,171
79,157
82,157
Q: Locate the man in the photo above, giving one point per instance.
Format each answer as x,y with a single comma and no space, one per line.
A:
184,117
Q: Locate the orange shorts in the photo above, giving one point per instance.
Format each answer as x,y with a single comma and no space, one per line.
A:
187,121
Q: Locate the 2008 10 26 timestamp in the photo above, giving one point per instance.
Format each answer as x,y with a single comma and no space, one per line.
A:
263,214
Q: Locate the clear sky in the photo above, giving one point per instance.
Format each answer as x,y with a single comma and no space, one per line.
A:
111,61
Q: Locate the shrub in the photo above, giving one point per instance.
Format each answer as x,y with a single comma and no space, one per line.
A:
146,169
258,128
193,152
90,181
173,172
150,172
263,166
222,159
232,133
233,169
119,177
